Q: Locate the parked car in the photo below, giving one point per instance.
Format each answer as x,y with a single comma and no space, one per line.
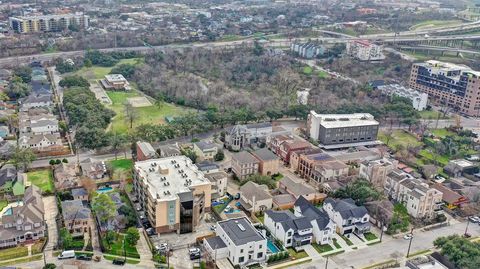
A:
213,227
84,257
163,247
194,253
237,196
407,236
151,231
67,254
228,209
474,219
119,261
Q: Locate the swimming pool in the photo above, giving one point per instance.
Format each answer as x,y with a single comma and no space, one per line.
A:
104,189
271,246
8,212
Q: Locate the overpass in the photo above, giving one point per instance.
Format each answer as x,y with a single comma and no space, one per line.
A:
441,49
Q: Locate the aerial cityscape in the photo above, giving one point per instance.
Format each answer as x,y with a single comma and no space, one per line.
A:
240,134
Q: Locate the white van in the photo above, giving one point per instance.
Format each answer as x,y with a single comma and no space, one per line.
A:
67,254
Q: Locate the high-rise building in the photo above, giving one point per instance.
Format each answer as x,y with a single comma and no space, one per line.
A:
457,86
47,23
173,192
363,50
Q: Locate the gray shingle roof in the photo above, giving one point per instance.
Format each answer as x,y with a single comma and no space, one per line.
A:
265,155
244,157
251,189
347,208
216,242
74,210
205,145
297,188
240,231
79,192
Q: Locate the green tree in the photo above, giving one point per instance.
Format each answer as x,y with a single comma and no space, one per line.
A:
132,236
49,266
461,251
359,190
104,207
17,88
127,70
22,158
74,81
110,237
190,154
24,72
90,138
65,238
219,156
117,142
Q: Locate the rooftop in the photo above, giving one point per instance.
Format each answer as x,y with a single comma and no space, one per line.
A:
244,157
265,155
240,231
167,177
344,120
296,187
115,78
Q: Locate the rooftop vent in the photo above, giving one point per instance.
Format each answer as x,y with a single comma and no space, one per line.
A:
240,226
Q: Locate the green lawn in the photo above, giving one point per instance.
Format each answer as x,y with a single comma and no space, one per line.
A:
307,70
13,253
42,179
297,255
117,248
98,72
151,114
3,203
346,240
323,74
431,114
336,244
124,164
426,154
400,138
22,260
370,236
435,23
441,133
322,248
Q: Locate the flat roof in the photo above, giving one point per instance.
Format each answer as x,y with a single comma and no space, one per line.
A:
167,177
344,120
240,231
115,78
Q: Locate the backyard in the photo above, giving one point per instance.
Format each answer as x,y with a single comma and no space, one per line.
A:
153,114
117,247
42,179
13,253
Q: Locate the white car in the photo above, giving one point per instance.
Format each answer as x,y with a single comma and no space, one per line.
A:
407,236
162,247
474,219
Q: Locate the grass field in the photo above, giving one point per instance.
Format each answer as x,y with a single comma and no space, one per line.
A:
3,204
431,114
98,72
150,114
322,248
42,179
435,23
13,253
400,138
441,133
370,236
117,248
297,255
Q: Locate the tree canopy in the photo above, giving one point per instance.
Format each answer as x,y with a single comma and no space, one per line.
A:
72,81
460,251
104,207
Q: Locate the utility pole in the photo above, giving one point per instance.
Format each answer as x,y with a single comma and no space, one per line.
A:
326,263
410,243
466,228
381,230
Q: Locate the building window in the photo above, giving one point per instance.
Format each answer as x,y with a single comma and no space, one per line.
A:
260,255
241,259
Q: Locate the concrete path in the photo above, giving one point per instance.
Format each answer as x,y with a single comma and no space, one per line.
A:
51,212
144,251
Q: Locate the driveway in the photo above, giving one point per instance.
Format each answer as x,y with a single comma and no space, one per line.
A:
51,212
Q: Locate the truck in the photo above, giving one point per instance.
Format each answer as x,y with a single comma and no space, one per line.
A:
67,254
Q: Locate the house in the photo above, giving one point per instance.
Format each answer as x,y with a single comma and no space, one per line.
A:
41,142
421,200
291,230
348,217
381,212
254,197
451,198
93,169
283,201
80,194
120,221
287,147
244,164
219,183
298,189
66,176
8,175
145,151
299,159
115,82
24,222
323,226
329,170
76,217
36,101
238,241
169,151
269,163
205,150
243,136
456,168
376,171
37,124
208,167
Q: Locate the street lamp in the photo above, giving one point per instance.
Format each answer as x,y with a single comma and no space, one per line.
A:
466,228
410,243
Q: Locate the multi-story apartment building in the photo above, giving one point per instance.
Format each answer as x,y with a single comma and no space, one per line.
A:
376,171
420,200
25,222
307,50
244,164
239,241
48,23
457,86
419,99
342,130
173,192
363,50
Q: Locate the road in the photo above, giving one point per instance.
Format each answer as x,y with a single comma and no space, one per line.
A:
389,249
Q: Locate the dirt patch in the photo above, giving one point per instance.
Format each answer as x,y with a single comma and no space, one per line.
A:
140,101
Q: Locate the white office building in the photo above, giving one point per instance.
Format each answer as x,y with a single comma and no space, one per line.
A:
419,99
363,50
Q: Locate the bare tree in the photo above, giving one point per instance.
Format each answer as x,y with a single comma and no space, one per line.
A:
131,114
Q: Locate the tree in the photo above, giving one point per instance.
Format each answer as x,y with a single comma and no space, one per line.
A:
90,138
117,141
23,157
17,88
132,236
219,156
89,184
131,114
104,207
461,251
360,190
49,266
24,72
52,162
74,81
110,237
65,238
127,70
190,154
64,160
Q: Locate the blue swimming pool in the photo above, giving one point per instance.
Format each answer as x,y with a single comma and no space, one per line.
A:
271,246
104,189
8,212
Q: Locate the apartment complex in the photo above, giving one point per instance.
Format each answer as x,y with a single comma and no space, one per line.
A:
342,130
173,192
420,200
457,86
47,23
244,164
363,50
307,50
376,171
419,99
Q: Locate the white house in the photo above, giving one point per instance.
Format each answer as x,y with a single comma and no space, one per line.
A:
33,101
291,230
242,243
323,226
348,217
40,141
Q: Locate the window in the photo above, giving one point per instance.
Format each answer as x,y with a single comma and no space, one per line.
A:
241,250
241,259
259,255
